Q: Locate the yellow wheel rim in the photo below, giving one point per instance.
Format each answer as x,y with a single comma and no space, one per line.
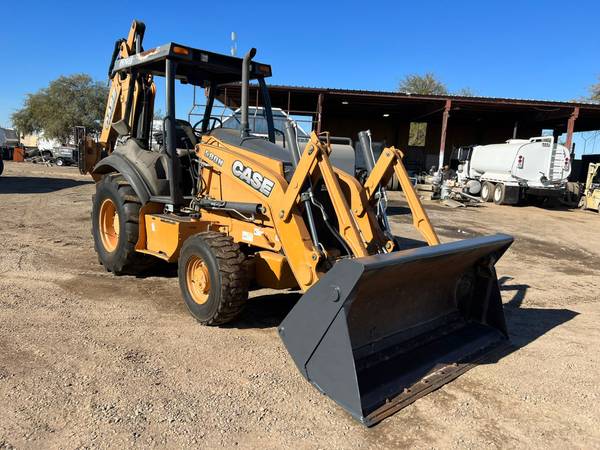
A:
109,225
198,279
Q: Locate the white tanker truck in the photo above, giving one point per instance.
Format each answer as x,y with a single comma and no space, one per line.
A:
508,173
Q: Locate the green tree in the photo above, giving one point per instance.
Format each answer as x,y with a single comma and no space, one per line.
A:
67,102
426,84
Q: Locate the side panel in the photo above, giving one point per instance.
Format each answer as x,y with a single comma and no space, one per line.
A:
233,174
164,235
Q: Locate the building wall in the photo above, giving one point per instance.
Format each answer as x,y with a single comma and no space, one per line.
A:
396,132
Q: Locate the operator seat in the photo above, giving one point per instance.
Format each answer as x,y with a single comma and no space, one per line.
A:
185,139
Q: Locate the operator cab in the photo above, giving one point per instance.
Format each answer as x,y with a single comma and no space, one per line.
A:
169,179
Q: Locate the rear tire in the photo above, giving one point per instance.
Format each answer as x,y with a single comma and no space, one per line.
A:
60,162
213,278
499,194
115,217
487,191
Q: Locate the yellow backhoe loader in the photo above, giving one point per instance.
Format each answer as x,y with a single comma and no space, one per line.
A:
378,326
591,192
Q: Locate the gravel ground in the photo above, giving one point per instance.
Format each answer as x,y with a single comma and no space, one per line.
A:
91,360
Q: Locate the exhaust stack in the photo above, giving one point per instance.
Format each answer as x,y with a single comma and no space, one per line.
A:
245,125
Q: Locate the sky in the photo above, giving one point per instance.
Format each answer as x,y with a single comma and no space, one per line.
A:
523,49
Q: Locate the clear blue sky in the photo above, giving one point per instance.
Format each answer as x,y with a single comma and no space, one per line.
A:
526,49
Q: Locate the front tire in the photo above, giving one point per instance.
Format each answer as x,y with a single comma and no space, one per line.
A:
487,191
115,217
213,278
60,162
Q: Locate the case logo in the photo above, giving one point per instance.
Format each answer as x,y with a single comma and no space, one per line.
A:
255,180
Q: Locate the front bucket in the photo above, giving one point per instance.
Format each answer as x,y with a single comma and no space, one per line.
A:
376,333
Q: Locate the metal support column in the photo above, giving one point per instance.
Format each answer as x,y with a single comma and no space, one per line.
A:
445,116
169,131
571,127
319,112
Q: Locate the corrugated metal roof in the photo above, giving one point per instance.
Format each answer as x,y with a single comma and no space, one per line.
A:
478,99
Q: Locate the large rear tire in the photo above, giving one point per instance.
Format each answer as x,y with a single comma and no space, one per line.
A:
499,194
115,218
213,278
487,191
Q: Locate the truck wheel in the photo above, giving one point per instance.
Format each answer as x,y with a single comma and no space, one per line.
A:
212,277
60,162
583,202
115,217
499,194
1,166
487,191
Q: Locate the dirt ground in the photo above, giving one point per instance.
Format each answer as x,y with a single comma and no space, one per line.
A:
91,360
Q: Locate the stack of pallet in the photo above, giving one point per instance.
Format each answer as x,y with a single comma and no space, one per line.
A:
426,191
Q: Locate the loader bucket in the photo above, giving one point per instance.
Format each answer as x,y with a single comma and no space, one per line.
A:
378,332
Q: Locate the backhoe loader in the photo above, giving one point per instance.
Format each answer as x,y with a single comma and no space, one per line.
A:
591,191
378,326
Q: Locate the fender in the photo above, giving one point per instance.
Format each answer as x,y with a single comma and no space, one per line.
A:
117,163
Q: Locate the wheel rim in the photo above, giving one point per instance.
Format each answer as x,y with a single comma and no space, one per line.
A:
198,279
484,191
109,225
497,194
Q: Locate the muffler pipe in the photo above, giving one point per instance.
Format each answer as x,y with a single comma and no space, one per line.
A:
290,137
245,125
364,137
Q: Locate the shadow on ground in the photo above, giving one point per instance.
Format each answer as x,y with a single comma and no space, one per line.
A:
34,185
267,310
525,325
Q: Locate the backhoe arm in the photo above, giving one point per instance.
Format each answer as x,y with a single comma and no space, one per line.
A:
126,102
130,103
391,158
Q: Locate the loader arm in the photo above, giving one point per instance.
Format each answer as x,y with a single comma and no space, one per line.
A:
380,175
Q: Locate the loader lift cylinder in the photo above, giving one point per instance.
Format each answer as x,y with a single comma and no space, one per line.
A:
290,137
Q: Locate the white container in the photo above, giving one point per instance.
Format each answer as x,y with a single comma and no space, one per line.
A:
537,162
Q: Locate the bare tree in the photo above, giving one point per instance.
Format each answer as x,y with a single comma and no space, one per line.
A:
595,92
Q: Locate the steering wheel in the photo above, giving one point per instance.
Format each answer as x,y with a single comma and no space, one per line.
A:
210,128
